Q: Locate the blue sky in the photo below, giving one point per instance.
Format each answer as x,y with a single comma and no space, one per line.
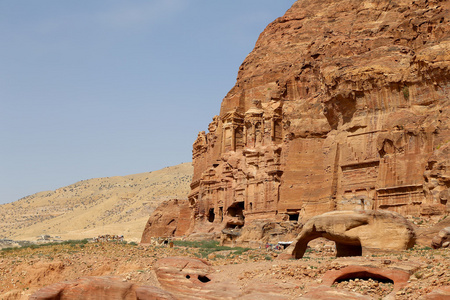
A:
104,88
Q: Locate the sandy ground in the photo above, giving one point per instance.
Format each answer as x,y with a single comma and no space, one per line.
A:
23,271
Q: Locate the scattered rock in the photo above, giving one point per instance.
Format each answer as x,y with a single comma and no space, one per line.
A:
442,239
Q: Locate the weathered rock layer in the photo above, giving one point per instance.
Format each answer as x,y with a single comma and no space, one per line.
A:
170,219
341,105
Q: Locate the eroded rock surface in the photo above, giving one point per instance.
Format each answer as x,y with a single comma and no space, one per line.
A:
189,278
99,288
261,232
438,294
341,105
356,232
171,218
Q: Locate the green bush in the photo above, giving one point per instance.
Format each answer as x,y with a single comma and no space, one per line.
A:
406,92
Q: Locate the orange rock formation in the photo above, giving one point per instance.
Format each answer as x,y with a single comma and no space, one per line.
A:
341,105
171,218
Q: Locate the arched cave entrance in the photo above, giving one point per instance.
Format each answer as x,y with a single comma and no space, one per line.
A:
349,248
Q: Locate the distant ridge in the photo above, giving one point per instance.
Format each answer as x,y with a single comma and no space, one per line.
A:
110,205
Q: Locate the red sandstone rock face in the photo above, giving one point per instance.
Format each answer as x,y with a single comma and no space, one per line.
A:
189,278
171,218
341,105
438,294
99,288
327,293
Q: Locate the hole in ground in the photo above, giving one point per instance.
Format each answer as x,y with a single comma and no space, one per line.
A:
203,278
372,285
188,276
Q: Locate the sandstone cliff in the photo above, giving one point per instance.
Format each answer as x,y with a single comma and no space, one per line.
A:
341,105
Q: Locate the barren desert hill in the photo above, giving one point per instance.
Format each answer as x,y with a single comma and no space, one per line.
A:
111,205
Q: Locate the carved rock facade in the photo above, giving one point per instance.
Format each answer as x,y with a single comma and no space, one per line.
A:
341,105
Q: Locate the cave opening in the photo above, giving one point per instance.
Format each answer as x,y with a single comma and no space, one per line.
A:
343,250
293,217
363,275
352,248
236,210
211,215
203,278
221,213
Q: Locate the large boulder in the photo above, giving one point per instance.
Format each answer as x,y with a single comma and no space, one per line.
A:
425,236
356,232
442,239
171,218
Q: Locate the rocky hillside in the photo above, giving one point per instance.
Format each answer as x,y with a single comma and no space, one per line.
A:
112,205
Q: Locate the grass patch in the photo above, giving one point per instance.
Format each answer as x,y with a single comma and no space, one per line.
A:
72,243
405,91
209,246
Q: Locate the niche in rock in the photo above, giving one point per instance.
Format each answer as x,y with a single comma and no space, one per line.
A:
236,214
211,215
203,278
293,217
236,210
340,109
221,213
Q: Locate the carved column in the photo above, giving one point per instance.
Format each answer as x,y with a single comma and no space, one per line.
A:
254,133
245,135
233,138
223,138
272,129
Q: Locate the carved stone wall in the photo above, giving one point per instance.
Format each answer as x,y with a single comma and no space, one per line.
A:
341,105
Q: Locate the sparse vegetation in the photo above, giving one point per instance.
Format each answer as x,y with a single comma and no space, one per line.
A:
129,199
405,91
209,246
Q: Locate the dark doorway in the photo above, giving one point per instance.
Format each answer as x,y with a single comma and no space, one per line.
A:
211,215
221,213
293,217
236,210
